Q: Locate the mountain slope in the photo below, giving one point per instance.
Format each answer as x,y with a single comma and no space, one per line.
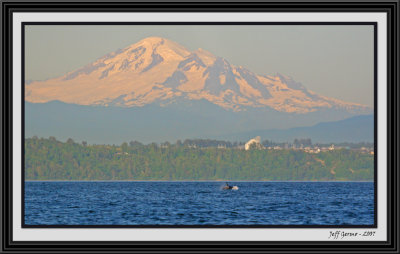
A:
159,71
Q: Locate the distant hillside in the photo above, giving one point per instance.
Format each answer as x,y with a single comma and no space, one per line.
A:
354,129
180,120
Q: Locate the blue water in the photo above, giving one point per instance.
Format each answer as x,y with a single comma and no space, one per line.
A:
199,203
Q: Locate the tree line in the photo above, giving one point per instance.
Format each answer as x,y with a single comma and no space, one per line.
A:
50,159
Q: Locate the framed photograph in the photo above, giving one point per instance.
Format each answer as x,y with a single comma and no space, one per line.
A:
200,127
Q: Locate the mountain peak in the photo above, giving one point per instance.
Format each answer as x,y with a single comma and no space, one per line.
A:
150,42
152,39
162,45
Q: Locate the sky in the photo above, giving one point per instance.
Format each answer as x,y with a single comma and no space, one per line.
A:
335,61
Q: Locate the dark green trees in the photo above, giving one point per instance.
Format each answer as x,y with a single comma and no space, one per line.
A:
49,159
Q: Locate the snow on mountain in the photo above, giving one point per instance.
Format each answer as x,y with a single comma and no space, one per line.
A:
157,70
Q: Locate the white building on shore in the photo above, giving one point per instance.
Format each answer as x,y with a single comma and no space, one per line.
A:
254,141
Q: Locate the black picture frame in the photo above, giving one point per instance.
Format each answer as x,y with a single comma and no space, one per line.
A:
390,7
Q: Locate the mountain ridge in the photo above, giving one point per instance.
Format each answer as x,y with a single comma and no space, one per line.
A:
353,129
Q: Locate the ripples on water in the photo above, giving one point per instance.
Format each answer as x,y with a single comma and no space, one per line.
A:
199,203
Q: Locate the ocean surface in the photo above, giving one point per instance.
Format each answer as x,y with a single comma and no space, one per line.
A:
199,203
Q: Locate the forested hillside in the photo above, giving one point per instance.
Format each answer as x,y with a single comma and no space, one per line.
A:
49,159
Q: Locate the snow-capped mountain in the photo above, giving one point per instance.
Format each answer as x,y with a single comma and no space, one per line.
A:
159,71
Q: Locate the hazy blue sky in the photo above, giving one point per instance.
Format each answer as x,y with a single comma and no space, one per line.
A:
335,61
